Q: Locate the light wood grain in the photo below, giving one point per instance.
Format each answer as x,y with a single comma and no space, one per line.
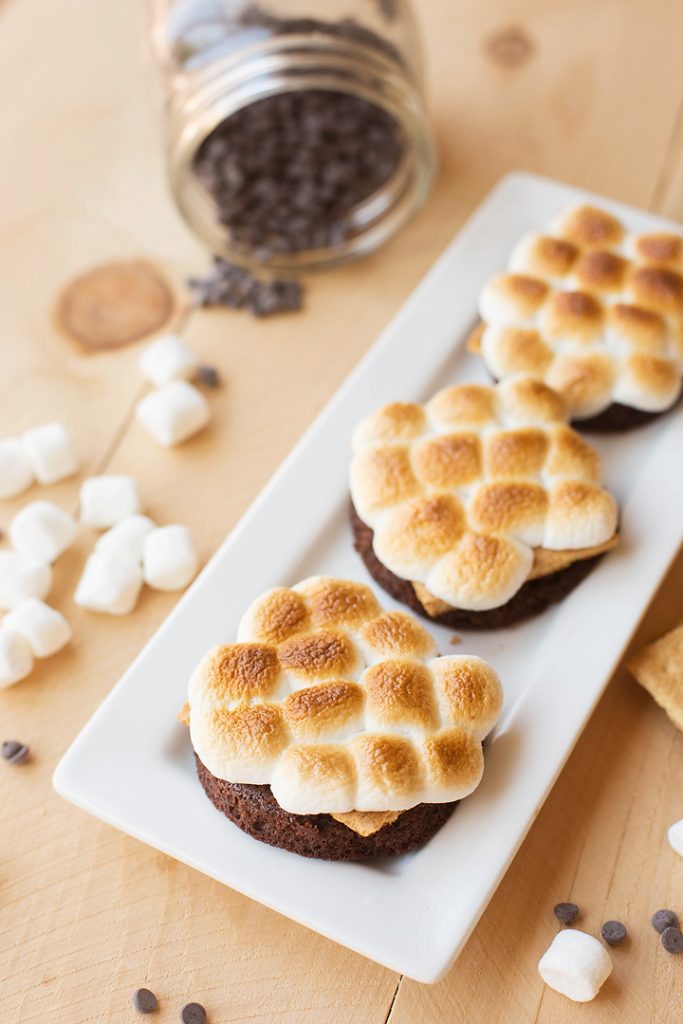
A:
87,914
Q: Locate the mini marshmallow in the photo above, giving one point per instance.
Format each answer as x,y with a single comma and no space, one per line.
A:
127,537
50,452
45,629
16,472
106,500
167,358
21,577
110,583
173,413
16,660
676,837
43,530
169,558
576,965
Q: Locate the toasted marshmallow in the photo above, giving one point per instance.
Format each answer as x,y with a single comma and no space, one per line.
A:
106,500
167,358
491,473
127,537
45,629
16,659
43,530
16,471
675,835
339,706
110,583
512,299
50,452
173,413
169,559
651,381
594,312
21,577
576,965
543,256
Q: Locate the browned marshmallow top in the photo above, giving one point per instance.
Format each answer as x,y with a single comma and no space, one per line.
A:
593,311
459,491
340,706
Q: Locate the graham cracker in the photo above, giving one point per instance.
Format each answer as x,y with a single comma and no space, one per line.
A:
659,668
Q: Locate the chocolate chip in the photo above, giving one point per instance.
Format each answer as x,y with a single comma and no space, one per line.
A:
672,940
145,1001
664,919
389,8
613,932
14,752
566,912
234,287
208,376
193,1013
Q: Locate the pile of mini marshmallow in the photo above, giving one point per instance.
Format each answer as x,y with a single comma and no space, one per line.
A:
133,551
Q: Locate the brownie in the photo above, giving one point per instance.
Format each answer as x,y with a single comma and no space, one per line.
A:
617,417
255,810
531,599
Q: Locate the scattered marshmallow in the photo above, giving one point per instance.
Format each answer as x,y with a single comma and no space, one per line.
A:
106,500
676,837
576,965
167,358
169,558
173,413
43,530
21,577
45,629
110,583
50,452
16,660
16,472
127,537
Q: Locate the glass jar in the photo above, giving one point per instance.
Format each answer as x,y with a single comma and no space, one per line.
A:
295,138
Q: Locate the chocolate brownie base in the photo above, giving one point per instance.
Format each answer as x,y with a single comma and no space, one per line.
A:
617,417
255,810
532,599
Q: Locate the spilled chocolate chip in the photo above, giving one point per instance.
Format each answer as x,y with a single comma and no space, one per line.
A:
193,1013
672,940
663,919
15,752
613,932
145,1001
236,288
208,376
566,912
388,8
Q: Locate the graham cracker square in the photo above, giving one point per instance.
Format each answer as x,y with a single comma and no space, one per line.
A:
659,668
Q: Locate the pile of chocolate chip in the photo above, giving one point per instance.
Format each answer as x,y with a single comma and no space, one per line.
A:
236,288
286,172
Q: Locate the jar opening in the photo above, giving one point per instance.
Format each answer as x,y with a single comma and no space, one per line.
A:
304,152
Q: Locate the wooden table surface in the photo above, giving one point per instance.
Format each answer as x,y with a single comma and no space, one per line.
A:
590,92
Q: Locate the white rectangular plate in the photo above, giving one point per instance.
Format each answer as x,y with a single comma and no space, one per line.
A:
132,764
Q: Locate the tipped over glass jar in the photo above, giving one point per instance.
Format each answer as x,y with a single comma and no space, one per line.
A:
297,135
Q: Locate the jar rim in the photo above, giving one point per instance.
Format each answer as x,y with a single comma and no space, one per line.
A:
290,63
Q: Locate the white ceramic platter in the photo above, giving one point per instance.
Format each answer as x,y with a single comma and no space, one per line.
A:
132,765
